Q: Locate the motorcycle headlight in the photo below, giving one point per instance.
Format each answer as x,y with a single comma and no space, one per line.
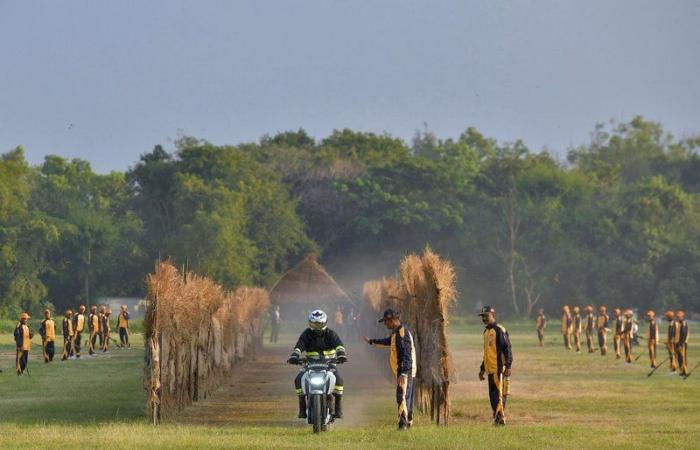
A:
317,381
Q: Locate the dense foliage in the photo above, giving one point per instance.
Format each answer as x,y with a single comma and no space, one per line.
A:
617,223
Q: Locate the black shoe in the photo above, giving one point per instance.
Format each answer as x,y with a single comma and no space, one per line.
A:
499,420
302,407
402,427
338,413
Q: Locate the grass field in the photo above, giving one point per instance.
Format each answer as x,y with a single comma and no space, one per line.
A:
559,399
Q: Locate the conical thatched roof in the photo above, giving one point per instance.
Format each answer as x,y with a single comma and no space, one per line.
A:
307,283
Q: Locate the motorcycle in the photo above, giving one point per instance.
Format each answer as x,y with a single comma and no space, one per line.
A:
318,383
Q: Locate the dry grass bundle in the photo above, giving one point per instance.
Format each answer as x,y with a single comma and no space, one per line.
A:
424,295
193,333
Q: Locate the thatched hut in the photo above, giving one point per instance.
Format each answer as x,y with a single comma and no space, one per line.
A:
307,286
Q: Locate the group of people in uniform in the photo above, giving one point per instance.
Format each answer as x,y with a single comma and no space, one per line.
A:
625,332
97,324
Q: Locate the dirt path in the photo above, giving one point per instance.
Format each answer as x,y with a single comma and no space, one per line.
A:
261,393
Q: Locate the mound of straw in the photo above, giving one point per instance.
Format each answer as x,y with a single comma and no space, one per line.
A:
424,293
195,334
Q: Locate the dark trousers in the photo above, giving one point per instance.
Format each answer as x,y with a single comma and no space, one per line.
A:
21,361
49,350
275,332
681,357
498,401
124,336
338,383
93,343
67,348
404,400
603,342
76,344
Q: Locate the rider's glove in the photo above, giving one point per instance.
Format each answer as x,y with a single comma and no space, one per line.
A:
293,360
342,359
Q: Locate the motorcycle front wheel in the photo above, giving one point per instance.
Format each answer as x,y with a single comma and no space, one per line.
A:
316,410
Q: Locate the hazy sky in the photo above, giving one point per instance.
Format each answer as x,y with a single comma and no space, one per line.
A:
106,80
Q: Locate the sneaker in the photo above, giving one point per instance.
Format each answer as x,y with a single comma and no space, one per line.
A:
402,427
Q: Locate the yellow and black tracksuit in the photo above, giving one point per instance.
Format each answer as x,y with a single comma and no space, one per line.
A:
402,360
123,325
94,328
619,330
319,344
78,328
682,346
627,335
67,338
671,344
23,340
577,331
566,329
541,323
104,331
602,325
652,339
590,327
47,330
498,356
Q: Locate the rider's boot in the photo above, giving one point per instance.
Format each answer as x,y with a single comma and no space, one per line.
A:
338,406
302,407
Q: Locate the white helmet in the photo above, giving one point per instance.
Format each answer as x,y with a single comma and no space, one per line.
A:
318,320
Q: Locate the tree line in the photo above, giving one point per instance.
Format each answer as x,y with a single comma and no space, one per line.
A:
615,223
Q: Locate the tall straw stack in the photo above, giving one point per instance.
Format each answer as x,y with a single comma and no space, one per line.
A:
424,293
195,333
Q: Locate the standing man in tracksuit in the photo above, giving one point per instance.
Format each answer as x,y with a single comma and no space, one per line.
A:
602,326
628,335
78,327
402,360
93,329
47,330
619,330
682,343
590,328
541,324
566,326
671,340
23,338
577,328
68,335
653,337
123,325
498,358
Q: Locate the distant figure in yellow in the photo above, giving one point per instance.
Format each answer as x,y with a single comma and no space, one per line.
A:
100,333
23,338
590,328
78,328
671,340
105,328
602,326
566,326
123,325
682,334
541,324
653,337
577,328
47,330
628,335
68,335
619,329
93,328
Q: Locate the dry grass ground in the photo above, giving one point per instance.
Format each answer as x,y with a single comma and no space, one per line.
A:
559,400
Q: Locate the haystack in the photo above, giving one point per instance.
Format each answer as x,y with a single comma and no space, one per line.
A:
307,286
424,293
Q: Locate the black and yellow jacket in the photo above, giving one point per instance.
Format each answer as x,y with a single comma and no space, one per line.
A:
123,320
682,332
402,358
23,337
327,343
47,330
78,323
590,323
541,322
67,328
497,350
602,322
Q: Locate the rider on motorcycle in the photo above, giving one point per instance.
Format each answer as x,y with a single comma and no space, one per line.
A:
319,341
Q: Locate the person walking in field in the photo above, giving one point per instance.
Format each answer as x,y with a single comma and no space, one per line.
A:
105,329
541,324
566,326
682,334
497,362
68,335
602,326
671,340
590,328
619,329
123,325
78,328
93,329
275,322
402,360
23,342
47,330
577,328
628,335
652,337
